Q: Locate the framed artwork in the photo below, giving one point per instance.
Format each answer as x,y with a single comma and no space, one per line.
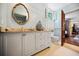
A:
48,14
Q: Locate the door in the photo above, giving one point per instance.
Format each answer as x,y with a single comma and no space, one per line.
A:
28,43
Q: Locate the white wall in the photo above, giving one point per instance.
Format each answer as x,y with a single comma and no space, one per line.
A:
36,12
0,14
73,15
71,7
3,14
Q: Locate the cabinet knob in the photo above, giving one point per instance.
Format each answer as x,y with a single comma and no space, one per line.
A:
23,34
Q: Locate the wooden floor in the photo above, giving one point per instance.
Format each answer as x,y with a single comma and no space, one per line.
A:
57,50
71,40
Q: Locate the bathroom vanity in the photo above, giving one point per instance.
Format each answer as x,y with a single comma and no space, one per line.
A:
23,43
17,37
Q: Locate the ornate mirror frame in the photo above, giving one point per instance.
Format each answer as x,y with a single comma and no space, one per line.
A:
15,17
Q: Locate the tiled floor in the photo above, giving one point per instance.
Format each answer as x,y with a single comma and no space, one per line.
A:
56,50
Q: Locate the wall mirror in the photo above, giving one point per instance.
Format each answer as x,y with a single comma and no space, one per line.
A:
20,14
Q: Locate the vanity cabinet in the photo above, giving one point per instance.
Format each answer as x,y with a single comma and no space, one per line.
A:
18,44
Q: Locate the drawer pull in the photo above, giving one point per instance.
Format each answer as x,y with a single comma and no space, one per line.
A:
23,34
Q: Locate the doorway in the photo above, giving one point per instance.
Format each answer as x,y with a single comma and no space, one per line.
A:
59,28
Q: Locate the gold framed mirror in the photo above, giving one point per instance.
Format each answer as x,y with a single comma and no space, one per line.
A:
20,14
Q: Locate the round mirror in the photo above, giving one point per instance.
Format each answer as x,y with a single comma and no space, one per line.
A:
20,14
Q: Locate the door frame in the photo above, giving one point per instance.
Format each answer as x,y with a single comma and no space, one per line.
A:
62,28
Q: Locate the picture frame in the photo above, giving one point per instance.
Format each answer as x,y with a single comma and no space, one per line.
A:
48,14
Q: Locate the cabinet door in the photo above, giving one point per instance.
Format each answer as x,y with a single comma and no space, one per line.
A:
4,44
0,44
28,43
13,44
42,40
38,41
47,39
